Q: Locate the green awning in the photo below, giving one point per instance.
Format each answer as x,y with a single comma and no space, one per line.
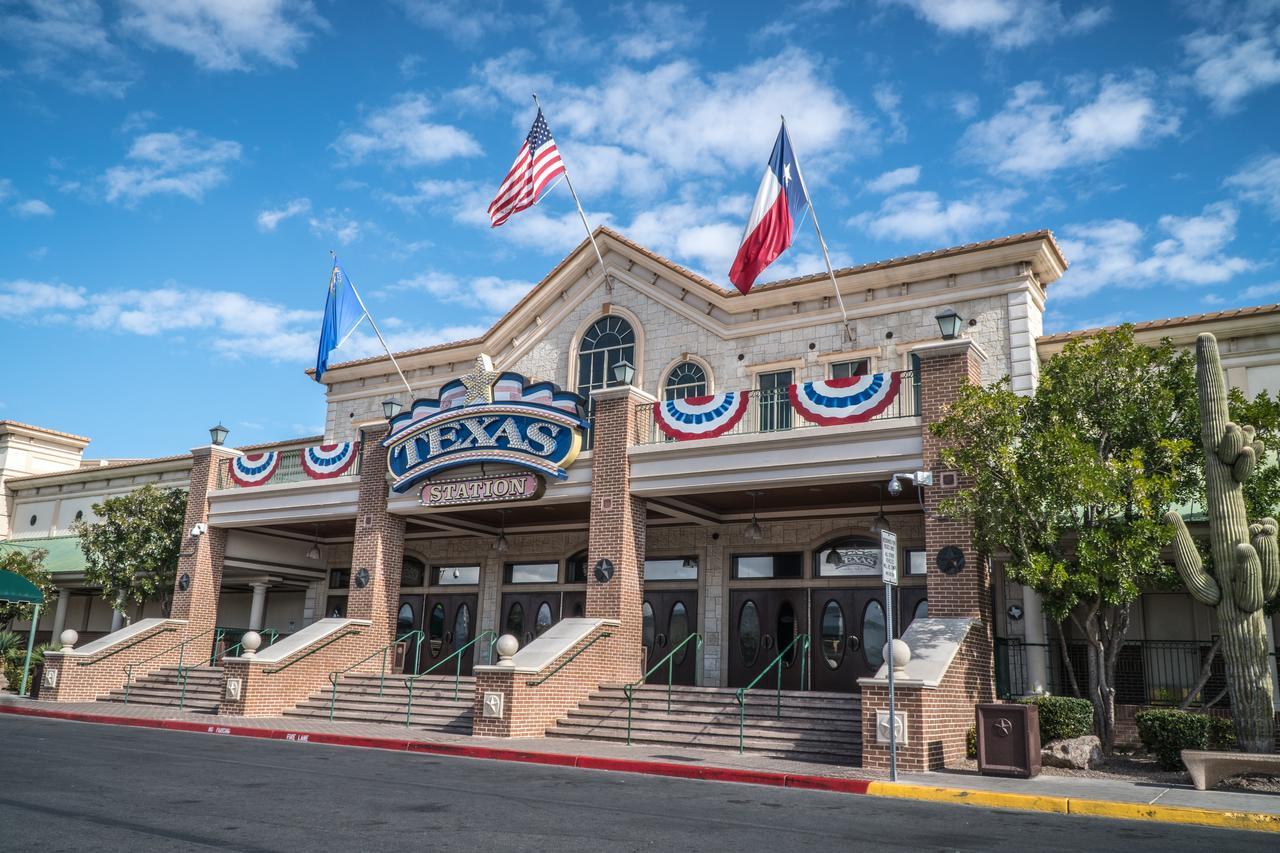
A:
64,555
16,589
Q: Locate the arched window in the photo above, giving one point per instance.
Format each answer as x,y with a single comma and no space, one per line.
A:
850,557
686,379
608,341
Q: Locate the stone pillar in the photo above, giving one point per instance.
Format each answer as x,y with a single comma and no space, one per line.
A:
258,605
378,551
117,614
617,531
1036,640
199,577
60,613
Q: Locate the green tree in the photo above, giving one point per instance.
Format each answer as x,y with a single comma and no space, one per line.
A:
132,551
1262,490
29,563
1072,484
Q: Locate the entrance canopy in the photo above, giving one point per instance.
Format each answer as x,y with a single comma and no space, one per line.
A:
15,589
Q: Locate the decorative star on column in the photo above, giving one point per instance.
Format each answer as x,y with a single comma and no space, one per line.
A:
479,381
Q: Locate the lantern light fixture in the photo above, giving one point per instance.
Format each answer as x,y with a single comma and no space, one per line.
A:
949,323
218,434
623,373
754,532
391,408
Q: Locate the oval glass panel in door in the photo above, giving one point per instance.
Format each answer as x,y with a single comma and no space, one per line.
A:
833,634
543,621
749,633
462,626
404,619
874,635
435,630
922,610
679,628
787,632
515,621
647,631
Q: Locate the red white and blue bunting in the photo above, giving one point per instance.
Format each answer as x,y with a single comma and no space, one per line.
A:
845,401
700,417
325,461
254,469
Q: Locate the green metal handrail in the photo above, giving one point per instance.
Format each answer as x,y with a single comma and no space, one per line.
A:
329,642
776,663
457,670
182,650
126,646
382,674
669,660
219,633
226,653
540,681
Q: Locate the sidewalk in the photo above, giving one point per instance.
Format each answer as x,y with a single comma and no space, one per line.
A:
1060,794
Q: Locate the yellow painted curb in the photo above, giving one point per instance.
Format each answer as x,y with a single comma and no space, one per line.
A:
991,799
1070,805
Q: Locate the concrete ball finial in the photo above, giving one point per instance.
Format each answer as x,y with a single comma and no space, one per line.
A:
901,655
68,639
507,646
250,643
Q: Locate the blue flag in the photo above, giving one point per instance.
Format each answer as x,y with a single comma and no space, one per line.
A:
343,311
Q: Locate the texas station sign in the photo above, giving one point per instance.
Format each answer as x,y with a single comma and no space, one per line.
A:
486,417
480,490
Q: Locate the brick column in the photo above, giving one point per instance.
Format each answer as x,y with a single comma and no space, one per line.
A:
201,558
617,525
378,549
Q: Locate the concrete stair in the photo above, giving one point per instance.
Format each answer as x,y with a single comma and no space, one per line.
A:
164,688
819,727
434,708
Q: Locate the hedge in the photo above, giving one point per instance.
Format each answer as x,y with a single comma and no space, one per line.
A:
1166,732
1062,717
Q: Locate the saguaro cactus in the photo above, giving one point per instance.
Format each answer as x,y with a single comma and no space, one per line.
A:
1246,563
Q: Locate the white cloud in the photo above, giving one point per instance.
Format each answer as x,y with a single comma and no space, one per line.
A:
67,41
654,29
225,35
599,169
924,217
1113,253
888,101
32,207
1261,291
401,133
181,162
894,179
462,21
1007,23
489,293
964,104
1034,136
1259,182
1230,65
21,299
268,219
337,225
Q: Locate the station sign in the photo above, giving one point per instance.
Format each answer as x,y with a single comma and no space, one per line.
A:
486,417
479,490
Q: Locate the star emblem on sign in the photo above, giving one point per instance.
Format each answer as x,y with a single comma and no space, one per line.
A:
479,381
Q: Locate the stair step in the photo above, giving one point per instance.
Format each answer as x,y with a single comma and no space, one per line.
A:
799,725
848,756
727,729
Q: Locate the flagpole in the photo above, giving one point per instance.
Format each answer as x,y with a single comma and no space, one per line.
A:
823,243
376,330
608,285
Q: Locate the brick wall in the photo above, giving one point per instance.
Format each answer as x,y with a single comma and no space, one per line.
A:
265,692
378,548
201,558
83,678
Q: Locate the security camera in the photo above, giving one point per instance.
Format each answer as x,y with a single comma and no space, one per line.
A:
895,487
199,529
919,478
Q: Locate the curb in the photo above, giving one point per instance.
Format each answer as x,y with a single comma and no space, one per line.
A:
1256,821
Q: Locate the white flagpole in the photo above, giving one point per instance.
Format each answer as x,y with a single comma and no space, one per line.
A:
608,285
376,330
848,334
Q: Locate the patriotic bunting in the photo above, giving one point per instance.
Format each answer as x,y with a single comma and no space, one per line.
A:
254,469
329,460
845,401
700,417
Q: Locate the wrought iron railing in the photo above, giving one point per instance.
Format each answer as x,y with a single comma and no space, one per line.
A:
385,651
771,411
782,659
289,470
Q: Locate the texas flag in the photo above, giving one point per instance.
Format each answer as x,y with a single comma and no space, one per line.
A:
780,207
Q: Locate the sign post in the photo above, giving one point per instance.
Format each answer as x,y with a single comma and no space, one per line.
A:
889,574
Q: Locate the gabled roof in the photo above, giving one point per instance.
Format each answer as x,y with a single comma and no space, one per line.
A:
1166,323
713,288
33,428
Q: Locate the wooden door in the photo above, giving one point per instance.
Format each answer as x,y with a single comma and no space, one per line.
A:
670,616
763,622
409,618
526,615
849,633
449,624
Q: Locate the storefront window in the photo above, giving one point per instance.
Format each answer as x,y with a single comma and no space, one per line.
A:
915,562
671,569
455,575
339,578
767,566
533,572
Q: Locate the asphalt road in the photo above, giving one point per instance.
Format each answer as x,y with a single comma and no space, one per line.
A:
78,786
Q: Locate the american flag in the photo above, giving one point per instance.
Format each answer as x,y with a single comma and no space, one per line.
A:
536,166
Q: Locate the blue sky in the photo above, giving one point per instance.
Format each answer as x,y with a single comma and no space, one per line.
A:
173,174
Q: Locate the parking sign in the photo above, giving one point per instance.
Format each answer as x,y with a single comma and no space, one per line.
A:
889,557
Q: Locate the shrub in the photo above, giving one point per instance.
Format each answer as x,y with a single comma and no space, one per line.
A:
1166,732
1062,717
971,742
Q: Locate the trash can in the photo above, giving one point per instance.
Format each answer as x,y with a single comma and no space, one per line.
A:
1008,740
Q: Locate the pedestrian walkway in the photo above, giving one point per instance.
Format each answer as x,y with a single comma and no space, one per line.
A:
1099,797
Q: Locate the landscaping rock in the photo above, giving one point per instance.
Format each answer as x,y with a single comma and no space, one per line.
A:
1078,753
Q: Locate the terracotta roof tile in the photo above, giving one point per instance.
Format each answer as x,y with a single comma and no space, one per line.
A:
1166,322
44,429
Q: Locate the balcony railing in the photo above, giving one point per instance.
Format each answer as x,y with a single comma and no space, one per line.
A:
771,411
289,469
